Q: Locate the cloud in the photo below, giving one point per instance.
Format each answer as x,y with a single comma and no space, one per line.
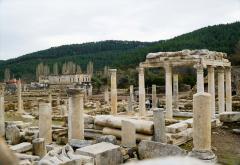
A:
28,25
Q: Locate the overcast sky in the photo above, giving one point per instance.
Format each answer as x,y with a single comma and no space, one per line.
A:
31,25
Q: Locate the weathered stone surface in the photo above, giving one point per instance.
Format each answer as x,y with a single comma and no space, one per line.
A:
39,147
22,147
236,131
128,134
230,116
175,128
76,143
103,153
13,134
150,149
28,157
107,138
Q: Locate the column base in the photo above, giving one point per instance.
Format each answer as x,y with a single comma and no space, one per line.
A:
207,156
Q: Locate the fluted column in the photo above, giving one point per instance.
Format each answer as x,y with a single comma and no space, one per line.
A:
168,91
211,88
154,96
113,91
228,89
175,92
141,81
221,96
200,78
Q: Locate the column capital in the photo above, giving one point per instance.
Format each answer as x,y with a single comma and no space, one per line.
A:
168,67
113,71
198,67
141,70
75,92
229,68
220,69
210,68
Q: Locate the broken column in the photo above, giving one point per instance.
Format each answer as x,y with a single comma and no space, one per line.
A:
75,116
141,81
159,125
39,147
200,78
45,121
106,95
128,134
19,96
113,91
131,93
154,96
228,89
211,88
168,91
2,112
221,95
175,92
202,127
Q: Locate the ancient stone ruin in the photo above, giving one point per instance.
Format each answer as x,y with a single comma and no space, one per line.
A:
68,124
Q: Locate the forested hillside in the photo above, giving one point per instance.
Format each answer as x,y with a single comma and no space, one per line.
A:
125,54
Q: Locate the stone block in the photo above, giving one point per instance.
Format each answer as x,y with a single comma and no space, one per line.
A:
150,149
103,153
22,147
76,143
229,116
175,128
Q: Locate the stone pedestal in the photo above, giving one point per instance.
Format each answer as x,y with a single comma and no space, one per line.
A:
75,116
200,78
202,127
159,125
228,90
221,95
154,96
113,91
175,92
168,91
141,81
39,147
128,134
211,88
2,120
45,122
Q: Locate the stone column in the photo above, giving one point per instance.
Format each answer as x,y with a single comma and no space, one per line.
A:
39,147
132,93
128,134
159,125
113,91
50,97
2,119
130,106
45,121
221,96
200,78
141,81
228,89
168,91
75,116
175,92
19,96
202,127
90,91
154,96
106,94
211,88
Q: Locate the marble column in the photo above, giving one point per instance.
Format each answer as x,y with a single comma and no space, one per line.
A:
128,134
159,125
141,81
19,96
132,93
75,116
45,121
228,89
221,95
200,78
130,105
154,96
113,91
106,95
90,90
175,92
168,91
211,88
202,127
2,119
